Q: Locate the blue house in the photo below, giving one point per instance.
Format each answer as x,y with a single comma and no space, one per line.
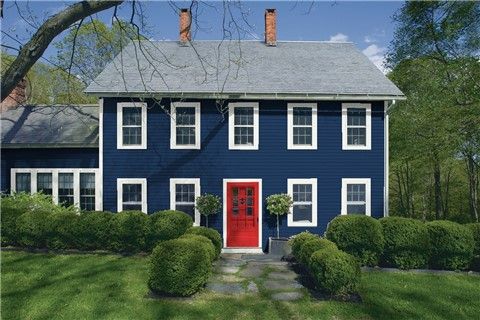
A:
239,119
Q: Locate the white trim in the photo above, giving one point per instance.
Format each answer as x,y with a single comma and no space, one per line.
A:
386,162
367,183
194,181
290,145
121,182
313,182
173,127
120,106
260,217
242,250
368,124
231,125
99,179
76,182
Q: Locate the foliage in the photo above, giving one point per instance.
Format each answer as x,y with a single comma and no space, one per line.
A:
475,228
298,240
208,204
34,229
94,230
310,246
128,231
358,235
63,226
451,245
279,204
211,234
167,225
207,243
335,271
179,267
407,243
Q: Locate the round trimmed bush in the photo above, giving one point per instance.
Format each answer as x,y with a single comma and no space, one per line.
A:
298,240
34,229
406,243
358,235
167,225
128,231
211,234
451,245
311,246
94,230
179,267
204,241
335,271
63,226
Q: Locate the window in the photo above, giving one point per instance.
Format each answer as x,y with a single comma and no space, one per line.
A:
302,125
87,191
132,194
243,126
65,189
44,183
356,196
185,125
356,126
23,181
304,209
183,193
131,125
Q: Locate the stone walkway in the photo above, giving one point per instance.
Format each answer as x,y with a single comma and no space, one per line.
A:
240,274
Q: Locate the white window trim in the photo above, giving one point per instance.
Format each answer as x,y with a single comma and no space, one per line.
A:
290,145
55,172
368,123
313,182
173,126
231,125
196,182
121,182
120,106
367,183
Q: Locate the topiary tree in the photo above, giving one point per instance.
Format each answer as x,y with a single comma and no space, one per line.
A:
208,204
279,204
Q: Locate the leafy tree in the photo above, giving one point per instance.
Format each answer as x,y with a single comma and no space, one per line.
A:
279,204
208,204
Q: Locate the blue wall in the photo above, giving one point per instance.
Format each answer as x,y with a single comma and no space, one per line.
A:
45,158
272,162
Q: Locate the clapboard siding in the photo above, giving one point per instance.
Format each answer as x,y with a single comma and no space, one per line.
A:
45,158
272,162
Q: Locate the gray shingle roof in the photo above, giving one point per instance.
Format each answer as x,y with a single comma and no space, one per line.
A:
50,126
322,68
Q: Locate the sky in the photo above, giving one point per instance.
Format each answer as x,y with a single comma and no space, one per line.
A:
367,24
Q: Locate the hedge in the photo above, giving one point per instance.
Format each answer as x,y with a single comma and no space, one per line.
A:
62,234
475,229
207,243
358,235
34,229
298,240
451,244
311,246
179,267
167,225
128,231
407,243
211,234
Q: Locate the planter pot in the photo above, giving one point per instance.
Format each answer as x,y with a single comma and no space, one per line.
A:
279,246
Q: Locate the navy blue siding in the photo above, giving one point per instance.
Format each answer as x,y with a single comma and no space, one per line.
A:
45,158
272,162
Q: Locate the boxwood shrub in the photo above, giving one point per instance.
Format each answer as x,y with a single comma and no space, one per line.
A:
406,243
335,271
211,234
358,235
62,235
311,246
167,225
298,240
94,230
451,245
128,231
207,243
34,229
179,267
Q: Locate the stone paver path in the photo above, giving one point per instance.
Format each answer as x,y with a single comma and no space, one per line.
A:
237,274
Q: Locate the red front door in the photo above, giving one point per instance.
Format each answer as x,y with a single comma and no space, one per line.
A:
242,214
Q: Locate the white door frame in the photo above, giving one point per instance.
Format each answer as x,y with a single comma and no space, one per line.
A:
260,203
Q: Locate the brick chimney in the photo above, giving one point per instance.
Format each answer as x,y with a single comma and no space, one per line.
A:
185,24
17,97
271,27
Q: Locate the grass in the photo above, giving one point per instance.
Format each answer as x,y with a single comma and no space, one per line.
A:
47,286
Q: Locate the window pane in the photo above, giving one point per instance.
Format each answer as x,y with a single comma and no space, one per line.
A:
243,116
302,193
65,189
185,193
132,135
187,208
44,183
185,135
356,209
302,135
185,116
244,135
356,192
22,182
302,116
357,136
132,116
356,117
87,191
302,212
132,192
137,207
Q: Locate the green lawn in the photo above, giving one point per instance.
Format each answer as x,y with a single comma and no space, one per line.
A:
47,286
